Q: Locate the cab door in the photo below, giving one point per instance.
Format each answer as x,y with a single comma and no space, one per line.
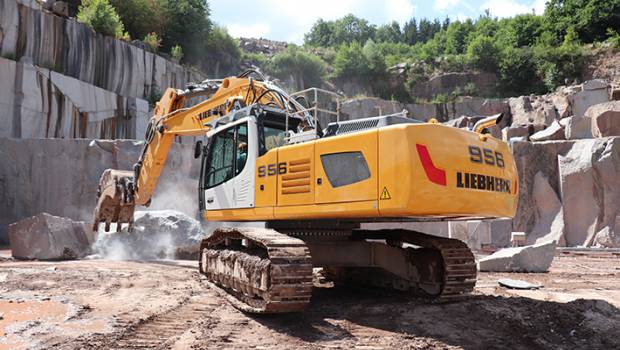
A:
346,168
228,168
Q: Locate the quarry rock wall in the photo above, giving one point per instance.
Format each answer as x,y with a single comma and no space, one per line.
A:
60,177
61,79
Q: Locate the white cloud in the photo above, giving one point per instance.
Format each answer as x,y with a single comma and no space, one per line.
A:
509,8
539,6
399,10
443,5
256,30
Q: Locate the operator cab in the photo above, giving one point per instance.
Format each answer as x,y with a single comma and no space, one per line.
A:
235,142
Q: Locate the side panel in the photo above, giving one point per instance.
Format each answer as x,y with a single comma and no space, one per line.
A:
434,170
295,172
354,144
266,185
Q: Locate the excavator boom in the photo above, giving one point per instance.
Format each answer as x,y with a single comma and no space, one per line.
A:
121,190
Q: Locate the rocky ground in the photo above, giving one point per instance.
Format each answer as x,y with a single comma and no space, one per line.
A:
104,304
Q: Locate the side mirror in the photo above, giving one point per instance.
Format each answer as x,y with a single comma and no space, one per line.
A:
198,149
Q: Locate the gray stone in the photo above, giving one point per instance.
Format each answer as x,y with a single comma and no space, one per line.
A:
524,131
605,119
578,128
48,237
533,258
582,100
595,84
578,196
585,175
608,237
501,230
479,234
157,234
461,122
369,107
549,215
553,132
517,284
446,83
71,48
47,104
60,176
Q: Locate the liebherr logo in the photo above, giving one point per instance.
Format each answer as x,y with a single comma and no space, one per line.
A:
482,182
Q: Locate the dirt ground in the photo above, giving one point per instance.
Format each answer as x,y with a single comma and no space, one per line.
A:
101,304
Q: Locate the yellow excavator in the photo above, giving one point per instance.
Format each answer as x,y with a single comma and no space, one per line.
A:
267,160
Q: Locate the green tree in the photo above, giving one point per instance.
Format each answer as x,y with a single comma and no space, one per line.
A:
589,18
186,24
410,32
101,16
222,53
483,53
521,30
177,53
307,69
153,41
389,33
321,34
456,36
350,28
517,72
140,17
350,61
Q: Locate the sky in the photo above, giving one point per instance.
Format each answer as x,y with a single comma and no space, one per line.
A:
288,20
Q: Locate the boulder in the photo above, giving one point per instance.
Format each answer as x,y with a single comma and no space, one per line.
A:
501,230
594,92
48,237
520,131
549,216
605,119
158,234
553,132
609,236
461,122
532,258
479,234
578,128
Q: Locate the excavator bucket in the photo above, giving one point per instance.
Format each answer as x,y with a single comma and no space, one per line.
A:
115,200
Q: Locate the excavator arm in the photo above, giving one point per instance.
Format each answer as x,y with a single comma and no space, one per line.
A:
120,191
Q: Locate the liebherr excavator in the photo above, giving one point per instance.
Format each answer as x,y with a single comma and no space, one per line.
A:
267,160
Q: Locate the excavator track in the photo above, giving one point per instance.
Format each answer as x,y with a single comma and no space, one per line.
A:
449,264
258,270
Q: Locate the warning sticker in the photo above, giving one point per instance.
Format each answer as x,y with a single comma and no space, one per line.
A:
385,194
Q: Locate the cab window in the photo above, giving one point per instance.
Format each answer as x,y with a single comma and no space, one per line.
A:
228,153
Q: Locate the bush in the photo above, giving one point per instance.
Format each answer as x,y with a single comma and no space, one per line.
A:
140,17
177,53
483,53
100,16
614,38
153,41
306,69
517,72
559,65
